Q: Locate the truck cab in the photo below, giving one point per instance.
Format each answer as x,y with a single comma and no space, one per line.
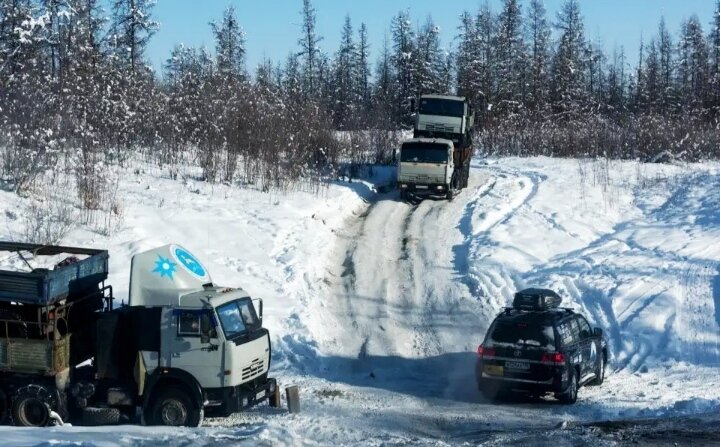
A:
447,117
211,340
426,167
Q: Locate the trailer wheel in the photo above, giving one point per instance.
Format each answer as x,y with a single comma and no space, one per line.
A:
4,410
174,407
96,416
32,405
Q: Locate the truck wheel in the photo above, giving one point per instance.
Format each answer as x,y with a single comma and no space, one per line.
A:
96,416
4,413
32,405
173,407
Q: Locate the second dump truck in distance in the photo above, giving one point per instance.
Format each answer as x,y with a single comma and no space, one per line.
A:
436,162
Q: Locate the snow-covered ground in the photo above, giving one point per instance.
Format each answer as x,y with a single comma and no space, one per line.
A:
376,306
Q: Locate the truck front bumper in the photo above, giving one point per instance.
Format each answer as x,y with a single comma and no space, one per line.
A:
428,189
234,399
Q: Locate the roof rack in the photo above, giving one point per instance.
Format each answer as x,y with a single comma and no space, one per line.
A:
536,299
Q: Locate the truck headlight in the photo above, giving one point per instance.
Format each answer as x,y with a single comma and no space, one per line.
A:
403,186
440,187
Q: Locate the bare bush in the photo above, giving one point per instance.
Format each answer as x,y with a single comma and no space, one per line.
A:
48,221
645,137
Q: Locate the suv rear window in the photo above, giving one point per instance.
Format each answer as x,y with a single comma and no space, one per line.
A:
523,333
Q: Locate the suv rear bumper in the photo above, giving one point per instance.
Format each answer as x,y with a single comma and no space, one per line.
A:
526,386
556,384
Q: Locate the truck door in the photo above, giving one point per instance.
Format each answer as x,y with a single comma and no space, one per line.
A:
202,360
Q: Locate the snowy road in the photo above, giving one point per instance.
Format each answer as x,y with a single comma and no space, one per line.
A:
410,291
376,306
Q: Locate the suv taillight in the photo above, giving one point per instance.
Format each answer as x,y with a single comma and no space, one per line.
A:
557,358
482,351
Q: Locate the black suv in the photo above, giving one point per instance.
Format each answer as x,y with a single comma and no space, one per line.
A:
536,347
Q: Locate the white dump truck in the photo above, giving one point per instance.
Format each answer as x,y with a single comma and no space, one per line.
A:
446,117
430,167
181,348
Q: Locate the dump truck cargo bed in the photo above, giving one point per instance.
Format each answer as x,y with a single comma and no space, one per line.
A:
72,277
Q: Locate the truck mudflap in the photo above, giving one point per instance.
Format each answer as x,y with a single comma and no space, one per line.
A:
226,401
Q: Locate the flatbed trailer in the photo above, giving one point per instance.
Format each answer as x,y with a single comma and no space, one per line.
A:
43,286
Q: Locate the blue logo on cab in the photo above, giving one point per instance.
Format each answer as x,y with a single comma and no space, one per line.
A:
190,262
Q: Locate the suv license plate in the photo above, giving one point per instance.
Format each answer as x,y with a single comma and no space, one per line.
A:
493,370
260,395
517,365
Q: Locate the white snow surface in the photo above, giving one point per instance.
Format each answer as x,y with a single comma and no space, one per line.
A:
376,306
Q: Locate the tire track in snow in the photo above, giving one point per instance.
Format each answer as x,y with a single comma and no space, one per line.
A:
484,277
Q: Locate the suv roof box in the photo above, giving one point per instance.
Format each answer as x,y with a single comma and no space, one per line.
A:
536,299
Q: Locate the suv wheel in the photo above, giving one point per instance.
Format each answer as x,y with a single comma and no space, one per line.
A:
570,396
599,372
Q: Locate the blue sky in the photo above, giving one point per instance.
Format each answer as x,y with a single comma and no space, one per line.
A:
272,26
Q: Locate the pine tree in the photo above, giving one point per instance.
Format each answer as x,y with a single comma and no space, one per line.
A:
430,60
640,98
665,52
617,84
570,62
538,37
511,55
343,100
384,85
597,76
652,90
361,68
309,49
404,62
693,65
475,56
18,41
131,30
229,45
714,40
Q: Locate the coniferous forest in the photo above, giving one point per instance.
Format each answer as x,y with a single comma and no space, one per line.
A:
76,86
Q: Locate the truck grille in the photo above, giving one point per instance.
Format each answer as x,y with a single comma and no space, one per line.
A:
437,127
255,369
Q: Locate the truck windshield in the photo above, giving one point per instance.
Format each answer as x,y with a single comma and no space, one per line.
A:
237,317
442,107
424,153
